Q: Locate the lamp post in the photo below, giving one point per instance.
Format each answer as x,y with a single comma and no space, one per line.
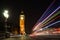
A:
6,15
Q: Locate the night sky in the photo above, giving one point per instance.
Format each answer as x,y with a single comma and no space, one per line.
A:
33,10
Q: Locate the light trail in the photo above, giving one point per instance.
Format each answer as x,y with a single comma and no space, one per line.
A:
52,17
51,25
39,33
49,22
47,26
45,19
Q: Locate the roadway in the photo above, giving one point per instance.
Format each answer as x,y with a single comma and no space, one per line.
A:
23,37
45,37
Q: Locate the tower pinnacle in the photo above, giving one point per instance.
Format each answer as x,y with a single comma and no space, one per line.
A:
22,12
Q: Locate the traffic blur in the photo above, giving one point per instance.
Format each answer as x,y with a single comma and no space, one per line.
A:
49,31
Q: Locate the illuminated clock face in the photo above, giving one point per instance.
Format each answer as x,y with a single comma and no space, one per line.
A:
21,17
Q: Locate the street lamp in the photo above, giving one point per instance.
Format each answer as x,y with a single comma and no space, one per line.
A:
6,15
